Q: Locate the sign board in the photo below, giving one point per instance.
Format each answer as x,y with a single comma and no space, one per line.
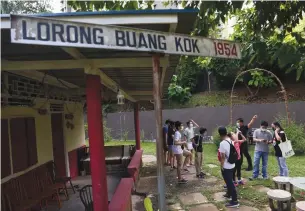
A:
45,31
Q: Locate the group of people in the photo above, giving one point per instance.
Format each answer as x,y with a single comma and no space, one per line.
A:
230,154
180,142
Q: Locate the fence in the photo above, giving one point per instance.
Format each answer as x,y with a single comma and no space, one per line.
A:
208,117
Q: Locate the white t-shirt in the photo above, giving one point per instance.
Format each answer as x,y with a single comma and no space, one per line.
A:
177,148
189,133
224,147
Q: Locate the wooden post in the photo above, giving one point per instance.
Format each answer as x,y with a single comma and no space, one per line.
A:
96,143
159,144
137,126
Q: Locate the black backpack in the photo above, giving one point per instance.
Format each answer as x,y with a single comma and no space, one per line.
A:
233,156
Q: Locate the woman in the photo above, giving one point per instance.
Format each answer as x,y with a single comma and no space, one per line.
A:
278,137
179,152
170,142
237,143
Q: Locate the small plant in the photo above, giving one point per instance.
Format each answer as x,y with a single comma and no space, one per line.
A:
178,93
259,80
142,135
125,135
106,130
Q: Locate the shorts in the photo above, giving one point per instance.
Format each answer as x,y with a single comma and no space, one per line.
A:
190,146
170,148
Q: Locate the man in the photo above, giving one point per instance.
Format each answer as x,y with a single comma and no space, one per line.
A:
179,152
227,168
165,145
189,133
198,147
262,137
244,146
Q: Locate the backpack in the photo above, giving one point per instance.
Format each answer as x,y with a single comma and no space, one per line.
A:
233,156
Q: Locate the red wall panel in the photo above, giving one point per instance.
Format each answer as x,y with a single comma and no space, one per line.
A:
5,150
19,144
31,138
73,165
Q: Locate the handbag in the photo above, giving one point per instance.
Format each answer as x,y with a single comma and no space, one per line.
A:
286,148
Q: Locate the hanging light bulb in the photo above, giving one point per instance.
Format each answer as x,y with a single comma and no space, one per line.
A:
120,98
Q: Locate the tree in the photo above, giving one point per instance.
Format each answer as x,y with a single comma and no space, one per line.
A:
25,7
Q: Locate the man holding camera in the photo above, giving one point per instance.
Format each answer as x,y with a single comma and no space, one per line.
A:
263,138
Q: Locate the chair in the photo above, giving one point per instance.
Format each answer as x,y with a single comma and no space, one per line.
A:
85,194
60,180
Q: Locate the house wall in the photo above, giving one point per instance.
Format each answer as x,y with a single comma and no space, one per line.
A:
73,138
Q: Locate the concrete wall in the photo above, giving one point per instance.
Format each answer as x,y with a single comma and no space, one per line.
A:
209,117
73,138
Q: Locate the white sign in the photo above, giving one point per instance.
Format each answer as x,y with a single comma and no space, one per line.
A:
45,31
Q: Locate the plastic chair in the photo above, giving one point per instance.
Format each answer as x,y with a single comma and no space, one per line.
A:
85,194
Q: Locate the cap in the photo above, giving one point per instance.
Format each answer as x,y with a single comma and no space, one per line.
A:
222,131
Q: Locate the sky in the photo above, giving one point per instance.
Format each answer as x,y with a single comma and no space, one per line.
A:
56,5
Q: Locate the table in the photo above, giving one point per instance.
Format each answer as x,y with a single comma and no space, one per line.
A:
298,182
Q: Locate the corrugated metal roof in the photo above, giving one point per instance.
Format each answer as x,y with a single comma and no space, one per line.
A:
129,79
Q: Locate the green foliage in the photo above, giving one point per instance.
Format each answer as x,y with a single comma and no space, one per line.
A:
216,137
295,133
80,6
125,135
25,7
177,93
259,79
188,73
107,131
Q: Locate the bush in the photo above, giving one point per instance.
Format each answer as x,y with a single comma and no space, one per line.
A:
177,93
295,133
216,137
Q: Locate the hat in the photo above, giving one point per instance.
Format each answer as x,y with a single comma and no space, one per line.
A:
222,131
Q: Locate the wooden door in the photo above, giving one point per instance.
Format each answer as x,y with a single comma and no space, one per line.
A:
58,144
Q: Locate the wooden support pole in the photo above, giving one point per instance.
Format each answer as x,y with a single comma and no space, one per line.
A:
137,126
96,143
159,145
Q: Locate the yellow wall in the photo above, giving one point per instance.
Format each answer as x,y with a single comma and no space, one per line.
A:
76,137
73,138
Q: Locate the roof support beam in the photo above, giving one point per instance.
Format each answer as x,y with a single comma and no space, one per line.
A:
36,75
79,64
106,80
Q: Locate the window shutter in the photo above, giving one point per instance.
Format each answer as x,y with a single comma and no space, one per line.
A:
31,141
5,150
19,144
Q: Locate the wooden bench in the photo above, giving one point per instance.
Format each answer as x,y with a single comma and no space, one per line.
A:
300,205
29,190
116,157
281,197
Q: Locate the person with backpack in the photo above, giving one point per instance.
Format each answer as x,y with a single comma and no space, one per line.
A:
197,145
263,138
237,144
279,136
228,158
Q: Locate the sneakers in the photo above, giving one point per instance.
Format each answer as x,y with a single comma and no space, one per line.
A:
252,178
182,181
240,182
232,204
227,196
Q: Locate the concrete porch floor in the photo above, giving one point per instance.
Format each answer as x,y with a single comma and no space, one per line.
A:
74,203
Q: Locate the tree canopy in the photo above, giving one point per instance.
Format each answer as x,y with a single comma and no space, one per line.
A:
25,7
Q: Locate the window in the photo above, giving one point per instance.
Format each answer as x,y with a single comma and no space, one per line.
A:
23,143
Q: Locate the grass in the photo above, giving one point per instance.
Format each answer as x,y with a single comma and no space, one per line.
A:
247,194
